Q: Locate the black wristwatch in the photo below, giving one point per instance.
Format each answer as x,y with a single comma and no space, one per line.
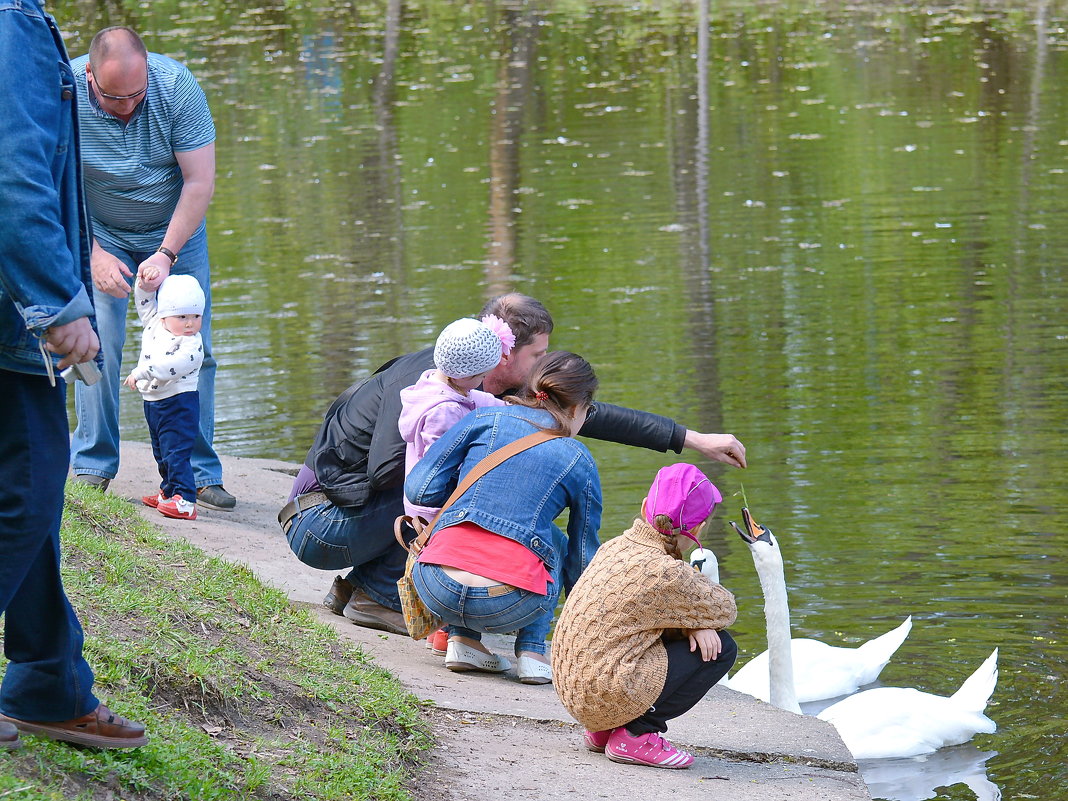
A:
170,254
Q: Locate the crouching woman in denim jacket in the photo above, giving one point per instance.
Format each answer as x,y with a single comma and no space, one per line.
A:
496,562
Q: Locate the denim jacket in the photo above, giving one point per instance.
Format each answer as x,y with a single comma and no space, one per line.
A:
521,497
45,234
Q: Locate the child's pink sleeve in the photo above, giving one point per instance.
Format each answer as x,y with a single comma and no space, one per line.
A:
434,425
484,400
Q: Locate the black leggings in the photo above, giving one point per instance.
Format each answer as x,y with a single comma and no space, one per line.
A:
689,678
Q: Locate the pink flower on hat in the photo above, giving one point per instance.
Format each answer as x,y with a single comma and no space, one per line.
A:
685,495
502,330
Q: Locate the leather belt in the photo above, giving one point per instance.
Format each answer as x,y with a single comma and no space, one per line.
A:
298,505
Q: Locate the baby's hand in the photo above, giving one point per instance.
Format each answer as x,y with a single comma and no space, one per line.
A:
148,276
131,382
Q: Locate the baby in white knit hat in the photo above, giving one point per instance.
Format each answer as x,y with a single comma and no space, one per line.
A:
166,375
466,350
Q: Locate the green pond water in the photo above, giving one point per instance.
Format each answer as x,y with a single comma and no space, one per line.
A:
837,230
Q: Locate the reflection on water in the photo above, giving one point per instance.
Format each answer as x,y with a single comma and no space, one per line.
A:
835,230
920,778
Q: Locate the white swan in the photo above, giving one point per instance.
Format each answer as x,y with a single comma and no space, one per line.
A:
705,562
820,671
768,561
876,724
901,722
824,671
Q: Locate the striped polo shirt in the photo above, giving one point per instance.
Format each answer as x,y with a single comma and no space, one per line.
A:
132,179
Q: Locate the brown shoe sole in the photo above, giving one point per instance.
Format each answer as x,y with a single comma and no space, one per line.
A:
74,736
370,621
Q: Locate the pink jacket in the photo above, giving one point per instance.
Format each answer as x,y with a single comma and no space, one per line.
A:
429,408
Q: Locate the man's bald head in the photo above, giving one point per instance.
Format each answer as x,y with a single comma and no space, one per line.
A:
117,43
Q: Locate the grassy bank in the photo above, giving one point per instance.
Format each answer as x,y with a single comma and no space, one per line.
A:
244,696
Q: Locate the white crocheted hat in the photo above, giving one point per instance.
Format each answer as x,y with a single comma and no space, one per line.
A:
466,348
179,294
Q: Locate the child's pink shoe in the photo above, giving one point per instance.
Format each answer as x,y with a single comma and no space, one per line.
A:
439,642
645,749
178,508
153,500
596,740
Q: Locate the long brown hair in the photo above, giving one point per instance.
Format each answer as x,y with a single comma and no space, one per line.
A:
559,382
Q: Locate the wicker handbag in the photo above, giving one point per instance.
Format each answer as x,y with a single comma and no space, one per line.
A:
420,621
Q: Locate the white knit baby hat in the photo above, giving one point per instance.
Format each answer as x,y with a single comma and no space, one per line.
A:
179,294
466,348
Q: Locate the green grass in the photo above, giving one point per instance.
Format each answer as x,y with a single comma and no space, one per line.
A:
244,695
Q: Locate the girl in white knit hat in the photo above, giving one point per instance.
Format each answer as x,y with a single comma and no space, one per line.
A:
466,350
166,375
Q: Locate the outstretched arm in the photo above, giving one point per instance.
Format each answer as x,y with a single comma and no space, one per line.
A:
647,430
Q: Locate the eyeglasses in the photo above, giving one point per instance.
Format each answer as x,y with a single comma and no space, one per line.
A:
102,93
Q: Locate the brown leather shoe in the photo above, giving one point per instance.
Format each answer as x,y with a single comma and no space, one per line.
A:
101,728
338,597
363,611
9,736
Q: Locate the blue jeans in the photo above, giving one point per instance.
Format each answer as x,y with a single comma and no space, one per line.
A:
172,424
470,611
331,537
95,447
47,678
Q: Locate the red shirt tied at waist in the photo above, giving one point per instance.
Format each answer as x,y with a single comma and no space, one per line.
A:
467,546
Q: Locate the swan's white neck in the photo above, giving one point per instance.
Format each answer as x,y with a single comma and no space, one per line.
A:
768,561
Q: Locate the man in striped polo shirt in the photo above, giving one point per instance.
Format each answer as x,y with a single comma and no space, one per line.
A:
148,152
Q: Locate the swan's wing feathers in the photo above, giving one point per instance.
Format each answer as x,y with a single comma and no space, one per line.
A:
820,671
873,655
974,694
901,721
826,671
753,678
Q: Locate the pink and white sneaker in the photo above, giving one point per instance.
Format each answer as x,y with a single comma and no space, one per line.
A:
645,749
153,500
177,507
438,642
596,740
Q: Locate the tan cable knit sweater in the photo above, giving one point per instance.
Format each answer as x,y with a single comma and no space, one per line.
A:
609,664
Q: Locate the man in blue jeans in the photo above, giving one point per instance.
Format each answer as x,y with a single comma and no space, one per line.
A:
148,149
45,309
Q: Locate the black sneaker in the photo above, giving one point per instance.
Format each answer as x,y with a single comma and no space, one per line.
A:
215,497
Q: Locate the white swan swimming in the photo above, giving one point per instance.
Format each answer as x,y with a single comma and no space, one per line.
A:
875,724
824,671
901,721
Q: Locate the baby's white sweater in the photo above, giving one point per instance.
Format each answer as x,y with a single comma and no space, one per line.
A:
169,364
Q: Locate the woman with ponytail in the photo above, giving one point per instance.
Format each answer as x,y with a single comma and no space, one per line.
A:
640,639
496,562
